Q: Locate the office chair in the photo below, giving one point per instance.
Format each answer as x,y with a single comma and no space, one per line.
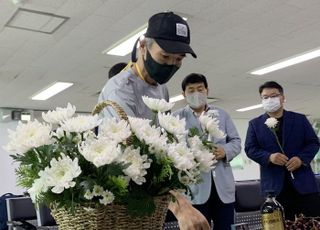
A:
248,203
21,213
44,218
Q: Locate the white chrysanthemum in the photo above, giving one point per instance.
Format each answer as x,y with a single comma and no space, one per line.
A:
107,197
137,123
211,125
181,155
97,190
38,186
27,136
195,143
204,157
137,164
61,133
61,173
88,195
151,135
158,105
59,114
115,130
100,151
88,135
80,123
271,122
189,177
158,145
144,131
172,124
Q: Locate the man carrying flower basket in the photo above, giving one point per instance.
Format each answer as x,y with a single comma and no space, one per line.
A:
160,55
284,143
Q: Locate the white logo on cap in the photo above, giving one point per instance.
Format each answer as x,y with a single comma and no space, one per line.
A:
182,30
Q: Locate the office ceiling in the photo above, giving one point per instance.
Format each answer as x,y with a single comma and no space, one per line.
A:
230,37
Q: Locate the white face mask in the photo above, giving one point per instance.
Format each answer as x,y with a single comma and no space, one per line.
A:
271,104
196,100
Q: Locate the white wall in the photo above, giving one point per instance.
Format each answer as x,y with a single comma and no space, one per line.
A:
7,167
243,167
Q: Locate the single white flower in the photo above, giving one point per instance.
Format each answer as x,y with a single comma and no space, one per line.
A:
158,105
61,173
107,197
158,145
195,143
88,195
194,175
172,124
38,186
271,122
137,164
151,135
27,136
97,190
181,156
61,133
203,156
80,123
211,125
100,151
137,123
189,177
118,131
59,114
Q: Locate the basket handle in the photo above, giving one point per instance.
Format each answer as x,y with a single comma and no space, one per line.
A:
119,110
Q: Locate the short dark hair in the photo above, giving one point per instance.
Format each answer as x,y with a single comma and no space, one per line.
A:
115,69
271,84
194,78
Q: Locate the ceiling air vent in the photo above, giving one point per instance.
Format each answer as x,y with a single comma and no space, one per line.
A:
37,21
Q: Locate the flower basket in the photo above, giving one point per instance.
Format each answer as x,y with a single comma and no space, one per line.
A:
120,178
112,216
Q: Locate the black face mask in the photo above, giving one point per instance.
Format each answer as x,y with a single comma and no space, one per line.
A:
161,73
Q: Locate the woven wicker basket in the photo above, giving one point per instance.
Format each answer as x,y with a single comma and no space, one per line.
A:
113,216
110,217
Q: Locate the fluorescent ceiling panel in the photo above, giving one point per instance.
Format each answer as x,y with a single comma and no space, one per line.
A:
287,62
51,90
36,21
125,46
176,98
249,108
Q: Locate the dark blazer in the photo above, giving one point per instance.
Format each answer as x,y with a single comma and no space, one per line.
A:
298,139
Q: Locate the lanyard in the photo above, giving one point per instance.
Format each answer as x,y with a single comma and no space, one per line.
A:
139,72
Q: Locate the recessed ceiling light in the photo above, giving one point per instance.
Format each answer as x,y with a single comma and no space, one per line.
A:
287,62
176,98
52,90
124,46
25,117
249,108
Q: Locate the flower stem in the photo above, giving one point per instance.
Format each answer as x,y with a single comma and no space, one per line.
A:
154,118
274,132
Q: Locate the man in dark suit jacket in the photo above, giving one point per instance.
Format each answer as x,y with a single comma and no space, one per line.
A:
285,154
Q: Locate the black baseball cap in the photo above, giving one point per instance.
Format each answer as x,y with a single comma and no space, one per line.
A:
171,32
